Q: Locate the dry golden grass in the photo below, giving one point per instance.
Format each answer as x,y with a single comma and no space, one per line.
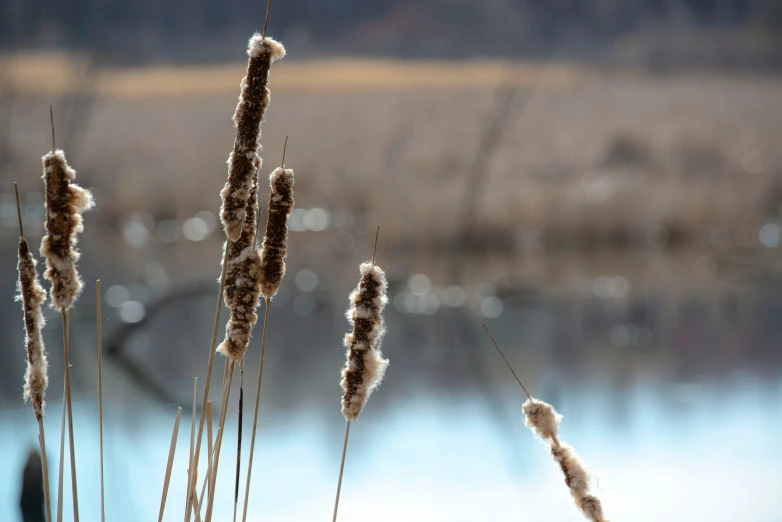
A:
53,74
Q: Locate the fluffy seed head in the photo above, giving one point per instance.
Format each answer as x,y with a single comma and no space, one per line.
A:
365,365
244,160
32,295
65,201
242,286
275,244
542,418
544,421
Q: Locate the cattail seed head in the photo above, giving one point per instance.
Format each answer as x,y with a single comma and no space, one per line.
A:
65,201
245,160
275,244
365,365
242,285
32,295
544,420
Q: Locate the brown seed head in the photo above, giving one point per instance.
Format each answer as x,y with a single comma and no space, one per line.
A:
365,366
275,244
242,286
32,295
244,159
544,420
65,201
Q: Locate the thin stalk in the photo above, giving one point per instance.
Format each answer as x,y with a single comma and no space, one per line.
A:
239,438
506,360
207,480
341,469
45,469
255,415
192,443
62,456
171,452
209,439
215,327
100,400
66,321
218,443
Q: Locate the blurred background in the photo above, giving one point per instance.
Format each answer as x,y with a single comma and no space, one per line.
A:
600,181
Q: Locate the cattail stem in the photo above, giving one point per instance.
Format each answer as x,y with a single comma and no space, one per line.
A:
239,438
66,319
207,381
341,469
62,456
506,361
171,452
207,479
45,469
255,415
100,397
218,443
190,470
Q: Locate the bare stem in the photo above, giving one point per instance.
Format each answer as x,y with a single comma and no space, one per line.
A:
45,469
19,211
374,250
284,149
207,381
62,456
218,444
239,438
100,398
171,452
190,470
51,119
266,22
66,320
341,469
506,361
255,415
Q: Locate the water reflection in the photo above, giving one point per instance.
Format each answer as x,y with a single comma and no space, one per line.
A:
671,391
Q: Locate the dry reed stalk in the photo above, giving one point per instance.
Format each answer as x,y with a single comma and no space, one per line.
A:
209,427
245,159
275,249
365,366
66,320
544,420
100,397
208,477
192,443
239,438
62,456
208,380
218,443
171,452
65,202
36,379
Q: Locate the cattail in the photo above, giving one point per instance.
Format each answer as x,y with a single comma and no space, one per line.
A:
365,365
65,201
275,244
245,160
242,285
32,295
544,422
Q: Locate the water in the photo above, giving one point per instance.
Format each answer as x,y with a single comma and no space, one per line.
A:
671,387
